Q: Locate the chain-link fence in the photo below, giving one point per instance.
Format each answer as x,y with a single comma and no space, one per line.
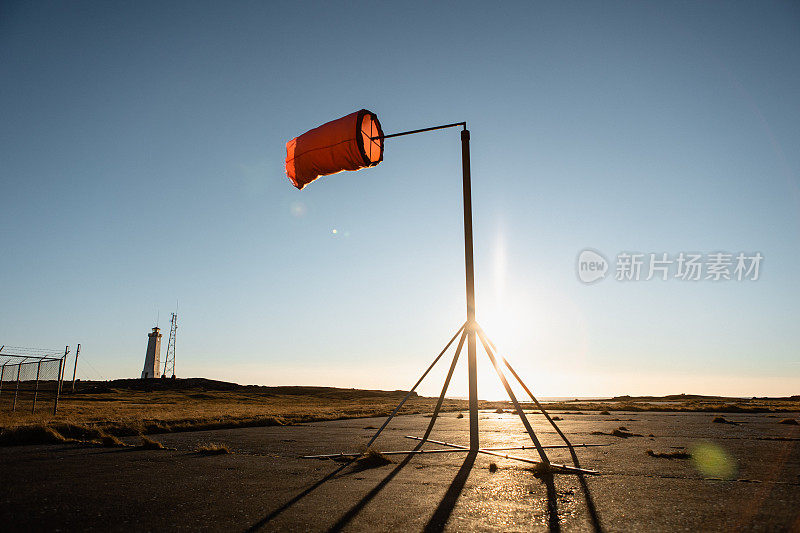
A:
30,379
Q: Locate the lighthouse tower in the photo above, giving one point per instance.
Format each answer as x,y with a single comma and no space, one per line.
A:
152,361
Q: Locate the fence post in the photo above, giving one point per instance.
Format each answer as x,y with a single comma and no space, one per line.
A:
55,403
2,375
16,392
75,368
62,368
36,388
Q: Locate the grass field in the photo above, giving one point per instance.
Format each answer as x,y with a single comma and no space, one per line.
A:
132,407
137,407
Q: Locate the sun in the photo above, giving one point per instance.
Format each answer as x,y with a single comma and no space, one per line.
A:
513,324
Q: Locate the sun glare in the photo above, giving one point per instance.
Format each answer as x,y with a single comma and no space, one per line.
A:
539,330
508,317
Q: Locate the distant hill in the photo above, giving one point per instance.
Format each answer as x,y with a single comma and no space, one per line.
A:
209,385
689,397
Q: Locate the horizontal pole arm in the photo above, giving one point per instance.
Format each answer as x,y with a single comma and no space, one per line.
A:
551,466
463,124
547,446
358,454
453,450
564,469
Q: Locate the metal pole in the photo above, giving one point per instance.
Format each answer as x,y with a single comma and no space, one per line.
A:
75,368
551,466
464,124
62,369
444,391
446,450
525,387
470,281
407,396
174,337
394,452
469,329
36,388
16,392
589,501
58,388
517,406
440,401
2,375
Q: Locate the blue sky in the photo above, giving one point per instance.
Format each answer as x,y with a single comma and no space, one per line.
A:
141,163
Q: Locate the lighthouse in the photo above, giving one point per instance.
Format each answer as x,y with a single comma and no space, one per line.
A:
152,360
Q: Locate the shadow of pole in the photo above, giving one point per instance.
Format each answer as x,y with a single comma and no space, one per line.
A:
552,502
274,514
353,512
442,513
593,515
349,515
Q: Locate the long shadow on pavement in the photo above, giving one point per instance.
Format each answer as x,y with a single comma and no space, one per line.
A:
442,513
349,515
593,514
552,503
274,514
444,510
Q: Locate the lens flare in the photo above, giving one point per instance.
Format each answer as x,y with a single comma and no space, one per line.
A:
298,209
712,461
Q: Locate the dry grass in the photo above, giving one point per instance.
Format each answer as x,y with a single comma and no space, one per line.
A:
33,434
492,467
539,470
136,407
110,441
669,455
723,420
621,432
49,434
150,444
372,458
123,412
212,448
682,403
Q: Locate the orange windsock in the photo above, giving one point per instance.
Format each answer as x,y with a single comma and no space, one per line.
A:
343,144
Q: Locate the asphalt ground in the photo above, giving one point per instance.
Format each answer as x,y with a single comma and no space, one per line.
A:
743,476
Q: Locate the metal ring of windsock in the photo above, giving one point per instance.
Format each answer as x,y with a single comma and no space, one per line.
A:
352,142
